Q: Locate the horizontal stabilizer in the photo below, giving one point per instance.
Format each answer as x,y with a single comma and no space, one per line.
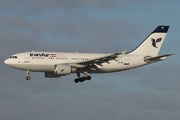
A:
149,59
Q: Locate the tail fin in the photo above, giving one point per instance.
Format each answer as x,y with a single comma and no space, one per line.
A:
152,44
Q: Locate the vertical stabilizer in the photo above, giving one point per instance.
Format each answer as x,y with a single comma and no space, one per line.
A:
152,44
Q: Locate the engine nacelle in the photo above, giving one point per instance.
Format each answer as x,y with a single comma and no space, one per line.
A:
62,70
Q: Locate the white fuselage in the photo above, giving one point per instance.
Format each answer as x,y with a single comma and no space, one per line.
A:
56,64
46,61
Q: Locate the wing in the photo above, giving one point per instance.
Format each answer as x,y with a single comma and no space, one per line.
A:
98,61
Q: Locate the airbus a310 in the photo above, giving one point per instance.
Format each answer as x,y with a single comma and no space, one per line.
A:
57,64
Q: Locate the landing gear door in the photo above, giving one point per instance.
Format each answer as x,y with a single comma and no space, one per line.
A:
126,60
21,59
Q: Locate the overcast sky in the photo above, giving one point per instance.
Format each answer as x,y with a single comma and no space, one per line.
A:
103,26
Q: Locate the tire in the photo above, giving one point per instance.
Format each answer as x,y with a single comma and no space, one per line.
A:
28,78
76,80
88,77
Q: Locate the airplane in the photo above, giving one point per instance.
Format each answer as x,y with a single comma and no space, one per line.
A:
57,64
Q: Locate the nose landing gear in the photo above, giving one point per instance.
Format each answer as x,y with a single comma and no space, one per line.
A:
28,76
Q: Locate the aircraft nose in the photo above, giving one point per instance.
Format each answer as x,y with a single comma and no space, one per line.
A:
6,61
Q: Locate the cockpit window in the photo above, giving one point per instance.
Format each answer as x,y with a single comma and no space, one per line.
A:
13,57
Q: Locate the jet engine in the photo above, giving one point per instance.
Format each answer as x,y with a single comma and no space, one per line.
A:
62,70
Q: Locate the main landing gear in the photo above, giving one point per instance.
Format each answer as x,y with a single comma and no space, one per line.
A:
82,79
28,76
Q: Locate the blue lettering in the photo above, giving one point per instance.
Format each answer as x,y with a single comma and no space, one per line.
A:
39,55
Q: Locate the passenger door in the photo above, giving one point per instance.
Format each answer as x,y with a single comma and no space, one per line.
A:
27,59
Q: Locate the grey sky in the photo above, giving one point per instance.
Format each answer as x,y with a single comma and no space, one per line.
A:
147,93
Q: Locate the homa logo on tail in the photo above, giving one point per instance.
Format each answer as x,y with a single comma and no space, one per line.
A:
155,41
62,70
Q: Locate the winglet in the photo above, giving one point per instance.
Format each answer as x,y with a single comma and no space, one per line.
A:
119,53
124,52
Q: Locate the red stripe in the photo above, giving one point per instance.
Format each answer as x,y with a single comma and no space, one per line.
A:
52,56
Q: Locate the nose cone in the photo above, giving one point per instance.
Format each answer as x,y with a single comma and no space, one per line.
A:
6,62
9,62
12,63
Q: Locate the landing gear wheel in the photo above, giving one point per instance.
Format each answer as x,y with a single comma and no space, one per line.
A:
83,79
88,78
28,78
76,80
